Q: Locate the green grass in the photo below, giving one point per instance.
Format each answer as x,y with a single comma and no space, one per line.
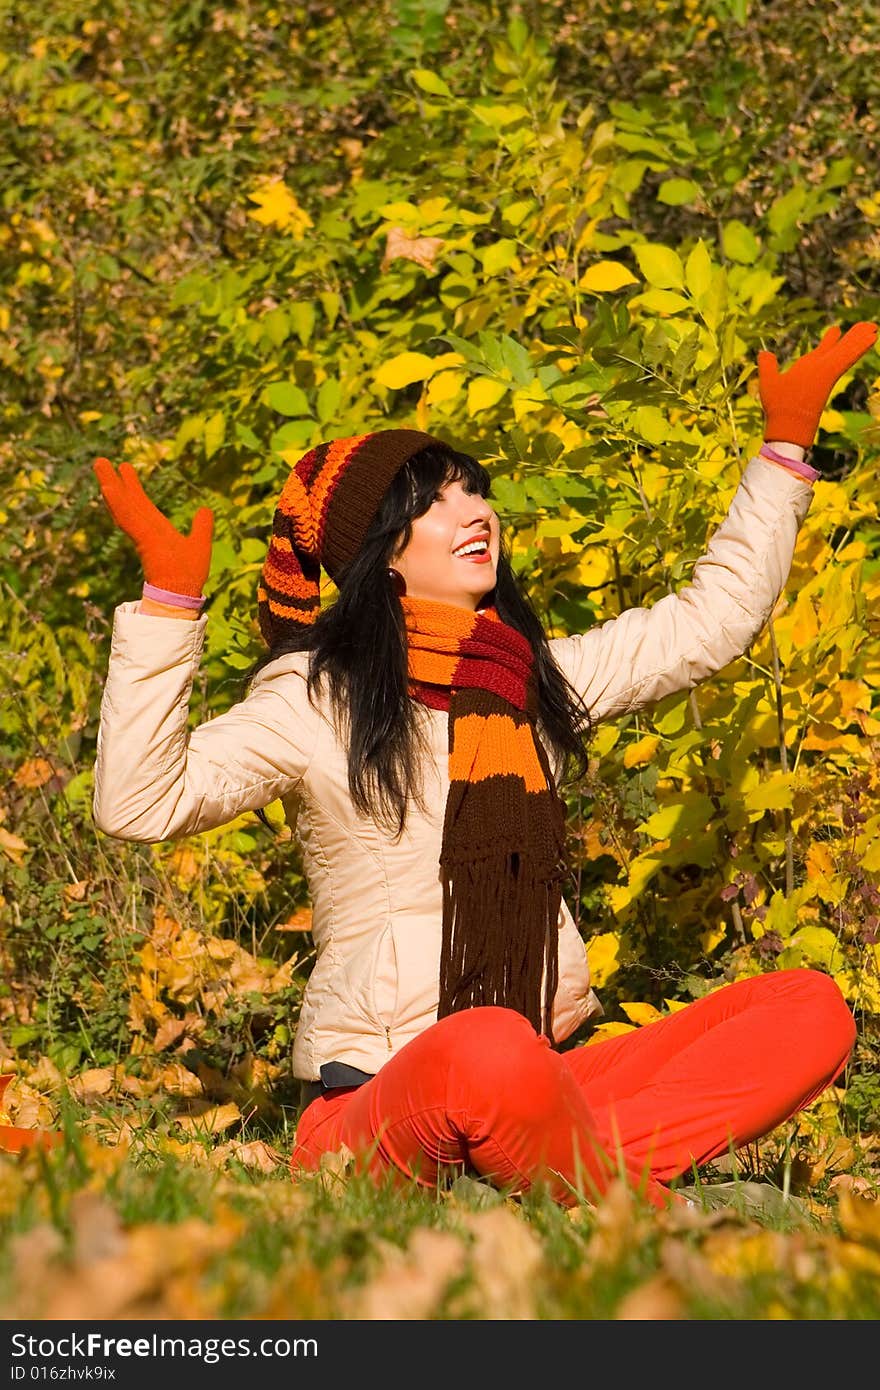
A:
159,1229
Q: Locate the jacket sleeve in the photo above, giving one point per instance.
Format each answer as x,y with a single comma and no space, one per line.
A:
157,780
647,653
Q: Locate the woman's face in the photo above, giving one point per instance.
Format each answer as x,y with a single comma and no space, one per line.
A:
452,554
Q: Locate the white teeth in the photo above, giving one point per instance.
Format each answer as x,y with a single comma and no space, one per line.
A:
473,548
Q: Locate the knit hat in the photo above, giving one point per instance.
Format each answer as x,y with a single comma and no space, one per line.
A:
322,517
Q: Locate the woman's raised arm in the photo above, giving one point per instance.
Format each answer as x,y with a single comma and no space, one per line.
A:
647,653
154,778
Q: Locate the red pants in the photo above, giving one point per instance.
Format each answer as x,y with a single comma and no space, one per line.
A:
481,1091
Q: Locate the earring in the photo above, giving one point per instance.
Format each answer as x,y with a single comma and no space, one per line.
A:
398,583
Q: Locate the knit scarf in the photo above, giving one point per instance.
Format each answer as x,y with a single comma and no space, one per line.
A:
503,854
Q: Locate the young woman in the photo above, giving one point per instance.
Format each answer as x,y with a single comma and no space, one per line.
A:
416,731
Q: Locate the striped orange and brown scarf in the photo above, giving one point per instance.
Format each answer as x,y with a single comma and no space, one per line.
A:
503,856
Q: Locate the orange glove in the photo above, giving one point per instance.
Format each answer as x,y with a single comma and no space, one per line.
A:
793,400
171,561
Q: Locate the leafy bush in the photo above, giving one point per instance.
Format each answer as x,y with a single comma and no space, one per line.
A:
557,236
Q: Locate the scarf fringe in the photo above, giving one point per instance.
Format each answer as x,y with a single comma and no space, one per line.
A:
491,952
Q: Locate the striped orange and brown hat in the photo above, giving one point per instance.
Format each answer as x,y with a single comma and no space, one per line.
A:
322,517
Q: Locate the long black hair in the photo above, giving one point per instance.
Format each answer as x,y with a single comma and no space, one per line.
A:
358,645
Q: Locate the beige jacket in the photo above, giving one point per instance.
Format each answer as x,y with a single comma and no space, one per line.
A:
377,904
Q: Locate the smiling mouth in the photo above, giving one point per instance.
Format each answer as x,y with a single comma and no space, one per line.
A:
474,550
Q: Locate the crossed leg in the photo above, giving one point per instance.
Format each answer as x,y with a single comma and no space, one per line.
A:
481,1090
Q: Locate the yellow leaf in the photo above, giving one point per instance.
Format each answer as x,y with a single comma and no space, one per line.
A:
211,1121
820,862
871,858
608,1030
641,752
595,567
832,502
643,868
832,421
483,392
838,704
12,846
178,1080
602,953
805,625
819,945
257,1155
528,400
775,794
5,1079
711,938
404,369
277,207
604,739
641,1013
619,897
444,386
500,255
605,277
860,1218
97,1081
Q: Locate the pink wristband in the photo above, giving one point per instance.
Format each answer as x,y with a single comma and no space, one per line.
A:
803,470
169,597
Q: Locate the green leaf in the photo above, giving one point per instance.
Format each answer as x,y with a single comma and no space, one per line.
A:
430,82
329,396
215,433
785,211
680,818
515,212
757,288
698,271
517,360
499,256
330,303
517,33
245,435
661,266
276,326
714,302
286,398
651,424
740,243
663,301
675,192
685,354
292,435
302,317
820,946
498,115
510,495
